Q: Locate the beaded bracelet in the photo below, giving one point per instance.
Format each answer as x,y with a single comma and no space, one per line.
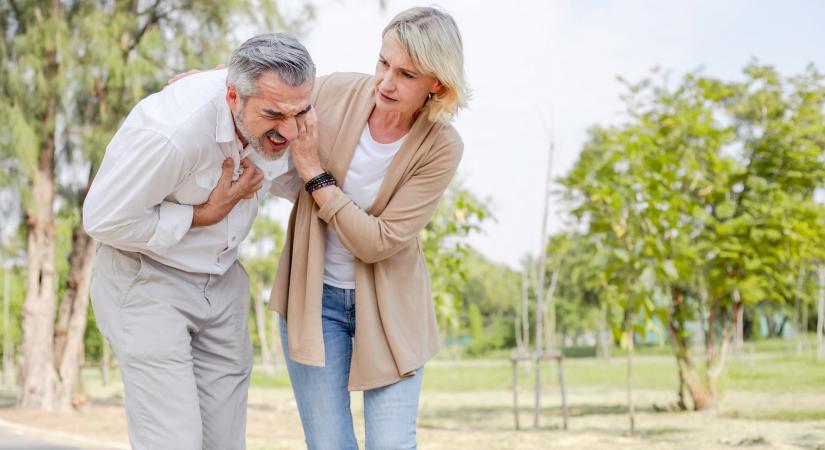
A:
321,185
319,181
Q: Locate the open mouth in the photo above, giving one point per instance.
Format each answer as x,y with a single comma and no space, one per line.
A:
276,139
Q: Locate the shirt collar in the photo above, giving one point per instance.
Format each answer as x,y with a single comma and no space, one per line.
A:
225,124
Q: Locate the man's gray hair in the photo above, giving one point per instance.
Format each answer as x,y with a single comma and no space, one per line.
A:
278,52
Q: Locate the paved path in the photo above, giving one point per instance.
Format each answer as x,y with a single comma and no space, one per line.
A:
11,439
15,436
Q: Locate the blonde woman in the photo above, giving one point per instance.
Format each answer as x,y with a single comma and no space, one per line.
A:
352,286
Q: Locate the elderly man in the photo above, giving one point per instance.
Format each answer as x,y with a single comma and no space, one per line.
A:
175,194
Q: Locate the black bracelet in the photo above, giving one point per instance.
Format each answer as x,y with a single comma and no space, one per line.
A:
319,181
324,184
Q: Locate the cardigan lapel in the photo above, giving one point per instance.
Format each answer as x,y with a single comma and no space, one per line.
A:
349,132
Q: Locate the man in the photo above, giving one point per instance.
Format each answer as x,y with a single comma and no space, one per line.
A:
175,194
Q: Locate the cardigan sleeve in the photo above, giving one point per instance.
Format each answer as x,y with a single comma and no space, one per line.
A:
372,239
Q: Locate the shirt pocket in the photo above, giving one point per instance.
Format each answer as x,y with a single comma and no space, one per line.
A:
197,188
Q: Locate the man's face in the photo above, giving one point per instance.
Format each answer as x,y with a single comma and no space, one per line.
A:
267,120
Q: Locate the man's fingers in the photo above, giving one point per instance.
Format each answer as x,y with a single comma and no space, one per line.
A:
226,172
250,171
258,176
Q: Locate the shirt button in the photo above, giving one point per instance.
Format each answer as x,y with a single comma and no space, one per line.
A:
233,238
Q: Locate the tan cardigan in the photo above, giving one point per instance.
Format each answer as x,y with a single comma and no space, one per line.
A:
396,331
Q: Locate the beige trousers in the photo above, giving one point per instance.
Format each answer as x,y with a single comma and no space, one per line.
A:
183,347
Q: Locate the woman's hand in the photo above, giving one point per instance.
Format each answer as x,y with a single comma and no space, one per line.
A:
304,148
178,76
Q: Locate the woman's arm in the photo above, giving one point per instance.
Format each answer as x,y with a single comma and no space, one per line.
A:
372,239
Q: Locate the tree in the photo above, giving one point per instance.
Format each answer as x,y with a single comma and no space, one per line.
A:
443,243
702,203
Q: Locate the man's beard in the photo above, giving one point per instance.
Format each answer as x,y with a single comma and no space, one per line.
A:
256,143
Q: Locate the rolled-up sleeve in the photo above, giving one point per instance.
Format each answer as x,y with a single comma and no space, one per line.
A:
375,238
126,206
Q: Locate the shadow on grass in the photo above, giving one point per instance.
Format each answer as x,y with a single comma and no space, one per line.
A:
466,418
784,415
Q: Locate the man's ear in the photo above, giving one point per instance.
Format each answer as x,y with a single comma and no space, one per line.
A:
232,98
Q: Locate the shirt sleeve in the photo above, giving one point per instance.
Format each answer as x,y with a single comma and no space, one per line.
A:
288,184
126,206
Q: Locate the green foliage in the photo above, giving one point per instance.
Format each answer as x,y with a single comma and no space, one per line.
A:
442,241
17,283
259,254
702,201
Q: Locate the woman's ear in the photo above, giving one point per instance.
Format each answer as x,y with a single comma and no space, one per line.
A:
436,88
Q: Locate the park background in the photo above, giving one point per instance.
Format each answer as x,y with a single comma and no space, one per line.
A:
642,182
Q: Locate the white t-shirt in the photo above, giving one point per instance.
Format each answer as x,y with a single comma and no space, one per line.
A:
364,177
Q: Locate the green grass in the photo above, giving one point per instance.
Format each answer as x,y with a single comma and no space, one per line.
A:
649,372
770,367
774,373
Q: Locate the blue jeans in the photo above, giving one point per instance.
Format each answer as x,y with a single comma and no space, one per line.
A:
323,399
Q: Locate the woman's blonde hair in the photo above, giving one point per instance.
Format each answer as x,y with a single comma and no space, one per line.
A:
433,42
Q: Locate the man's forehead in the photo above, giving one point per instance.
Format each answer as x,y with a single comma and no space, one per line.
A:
278,97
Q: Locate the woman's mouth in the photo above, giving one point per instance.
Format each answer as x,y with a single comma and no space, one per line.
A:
385,97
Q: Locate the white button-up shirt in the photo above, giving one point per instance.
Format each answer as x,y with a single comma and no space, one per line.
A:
166,157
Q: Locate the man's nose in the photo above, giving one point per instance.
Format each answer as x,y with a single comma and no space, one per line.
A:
289,128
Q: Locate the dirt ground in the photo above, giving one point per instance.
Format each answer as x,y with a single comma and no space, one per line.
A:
483,420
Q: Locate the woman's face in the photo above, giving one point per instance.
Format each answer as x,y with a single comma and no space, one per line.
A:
399,85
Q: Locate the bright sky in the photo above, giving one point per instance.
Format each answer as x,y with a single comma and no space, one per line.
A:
547,68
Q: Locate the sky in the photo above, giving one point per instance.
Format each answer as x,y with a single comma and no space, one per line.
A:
547,70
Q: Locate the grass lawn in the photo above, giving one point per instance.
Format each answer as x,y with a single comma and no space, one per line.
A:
770,398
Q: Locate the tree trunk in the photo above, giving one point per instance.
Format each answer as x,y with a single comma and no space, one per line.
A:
550,311
260,320
71,323
702,387
37,366
604,337
525,310
631,405
739,320
797,328
679,341
702,390
540,288
8,357
820,315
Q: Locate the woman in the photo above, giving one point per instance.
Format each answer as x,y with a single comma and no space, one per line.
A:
352,286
